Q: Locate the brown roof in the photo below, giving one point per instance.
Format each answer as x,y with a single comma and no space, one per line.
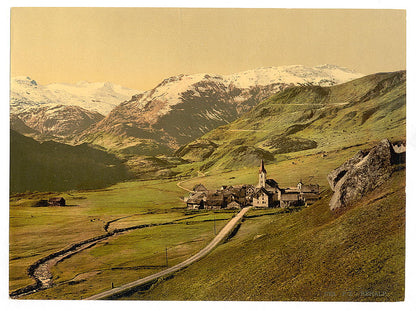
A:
234,203
196,197
259,191
291,190
289,197
310,188
199,187
272,183
215,196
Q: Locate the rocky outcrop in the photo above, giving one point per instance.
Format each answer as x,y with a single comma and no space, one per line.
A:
363,173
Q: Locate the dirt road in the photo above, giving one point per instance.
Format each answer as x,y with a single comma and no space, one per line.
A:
228,228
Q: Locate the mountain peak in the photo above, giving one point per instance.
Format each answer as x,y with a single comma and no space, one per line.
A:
23,80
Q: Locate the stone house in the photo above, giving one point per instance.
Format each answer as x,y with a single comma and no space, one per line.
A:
196,201
262,198
215,201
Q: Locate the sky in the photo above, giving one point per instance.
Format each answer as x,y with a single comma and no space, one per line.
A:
139,47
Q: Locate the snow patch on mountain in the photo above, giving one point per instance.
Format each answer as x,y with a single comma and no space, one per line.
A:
170,91
321,75
101,97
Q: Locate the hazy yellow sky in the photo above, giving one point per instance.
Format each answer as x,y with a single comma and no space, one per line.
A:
138,47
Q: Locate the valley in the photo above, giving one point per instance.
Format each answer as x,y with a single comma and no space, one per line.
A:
125,176
133,254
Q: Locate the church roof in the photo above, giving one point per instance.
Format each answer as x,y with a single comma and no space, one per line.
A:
272,183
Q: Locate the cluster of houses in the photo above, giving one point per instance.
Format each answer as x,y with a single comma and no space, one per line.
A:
267,194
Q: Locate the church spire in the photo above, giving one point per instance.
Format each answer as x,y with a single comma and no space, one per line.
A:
262,175
262,169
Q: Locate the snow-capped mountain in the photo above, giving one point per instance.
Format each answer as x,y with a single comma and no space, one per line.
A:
184,107
170,91
53,121
101,97
323,75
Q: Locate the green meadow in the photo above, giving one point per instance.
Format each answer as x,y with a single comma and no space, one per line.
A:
38,231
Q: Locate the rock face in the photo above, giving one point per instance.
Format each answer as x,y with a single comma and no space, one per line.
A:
363,173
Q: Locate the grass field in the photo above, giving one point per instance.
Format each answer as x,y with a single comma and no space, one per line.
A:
38,231
294,245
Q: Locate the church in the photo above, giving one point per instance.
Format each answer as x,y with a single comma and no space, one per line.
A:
266,194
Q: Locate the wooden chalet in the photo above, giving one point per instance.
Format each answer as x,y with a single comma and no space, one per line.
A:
59,201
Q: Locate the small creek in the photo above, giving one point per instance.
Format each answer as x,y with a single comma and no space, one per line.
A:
40,271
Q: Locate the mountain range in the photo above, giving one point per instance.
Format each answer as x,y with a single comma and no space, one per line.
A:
100,97
59,111
227,122
307,117
184,107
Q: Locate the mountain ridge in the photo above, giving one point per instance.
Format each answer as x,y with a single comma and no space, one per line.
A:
184,107
96,96
302,119
53,166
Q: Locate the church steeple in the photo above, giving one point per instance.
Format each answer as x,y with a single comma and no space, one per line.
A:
262,175
262,169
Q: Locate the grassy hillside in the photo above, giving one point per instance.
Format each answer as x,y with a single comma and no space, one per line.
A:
307,119
52,166
314,254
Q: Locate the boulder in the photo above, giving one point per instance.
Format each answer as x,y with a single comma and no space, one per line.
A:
363,173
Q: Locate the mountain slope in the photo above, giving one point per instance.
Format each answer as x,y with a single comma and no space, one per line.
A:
310,117
184,107
101,97
310,255
57,121
52,166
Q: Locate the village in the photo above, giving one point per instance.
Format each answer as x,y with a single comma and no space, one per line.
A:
266,194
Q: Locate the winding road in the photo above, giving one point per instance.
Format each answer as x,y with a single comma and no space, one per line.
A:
40,270
228,228
179,183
